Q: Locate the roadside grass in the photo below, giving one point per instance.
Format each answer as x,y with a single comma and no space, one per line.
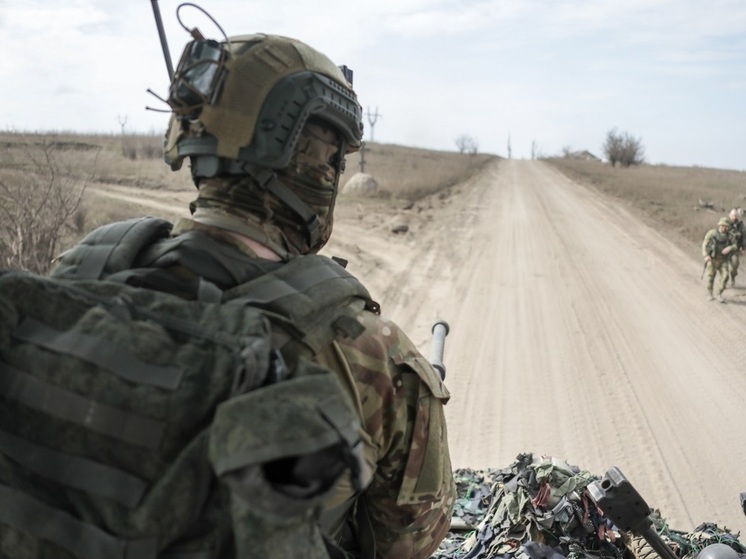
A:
410,173
129,159
668,198
136,160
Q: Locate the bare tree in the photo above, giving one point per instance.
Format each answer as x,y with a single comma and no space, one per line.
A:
510,149
467,144
623,148
40,199
566,151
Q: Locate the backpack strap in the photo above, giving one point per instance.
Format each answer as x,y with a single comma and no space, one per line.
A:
110,248
312,298
84,540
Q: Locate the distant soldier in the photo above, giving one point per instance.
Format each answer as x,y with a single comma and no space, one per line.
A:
738,231
718,244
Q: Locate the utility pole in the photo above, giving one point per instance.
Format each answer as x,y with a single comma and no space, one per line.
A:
362,157
122,121
372,118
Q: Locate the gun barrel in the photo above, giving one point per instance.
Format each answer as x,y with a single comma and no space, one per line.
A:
657,543
440,331
625,507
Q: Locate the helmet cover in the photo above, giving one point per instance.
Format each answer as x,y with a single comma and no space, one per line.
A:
252,99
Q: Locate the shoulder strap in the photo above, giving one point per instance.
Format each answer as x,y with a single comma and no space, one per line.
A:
110,248
312,297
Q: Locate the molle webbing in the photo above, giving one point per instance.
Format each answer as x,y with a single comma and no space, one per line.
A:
74,471
79,410
107,355
716,245
103,251
312,297
80,538
106,393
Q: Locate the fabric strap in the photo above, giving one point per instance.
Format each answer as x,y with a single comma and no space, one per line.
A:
94,349
86,412
84,540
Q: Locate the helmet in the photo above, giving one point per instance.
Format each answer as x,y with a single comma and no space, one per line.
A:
266,122
246,100
724,221
718,551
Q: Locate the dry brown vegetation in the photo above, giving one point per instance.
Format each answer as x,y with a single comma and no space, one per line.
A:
411,173
667,197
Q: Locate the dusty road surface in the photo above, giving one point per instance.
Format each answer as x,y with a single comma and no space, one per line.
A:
576,331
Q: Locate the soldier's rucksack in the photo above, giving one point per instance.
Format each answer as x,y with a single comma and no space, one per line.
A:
136,424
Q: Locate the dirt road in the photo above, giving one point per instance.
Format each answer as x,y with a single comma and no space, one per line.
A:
576,331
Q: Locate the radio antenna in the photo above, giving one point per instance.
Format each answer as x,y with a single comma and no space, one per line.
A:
162,35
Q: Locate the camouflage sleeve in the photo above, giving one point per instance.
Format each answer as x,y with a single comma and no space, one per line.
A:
708,236
411,497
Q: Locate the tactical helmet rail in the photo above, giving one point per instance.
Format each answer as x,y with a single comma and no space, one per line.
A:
246,100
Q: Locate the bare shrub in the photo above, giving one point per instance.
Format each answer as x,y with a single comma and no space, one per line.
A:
136,146
467,144
129,148
41,191
623,148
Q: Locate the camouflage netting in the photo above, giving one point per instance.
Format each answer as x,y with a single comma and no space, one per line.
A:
538,508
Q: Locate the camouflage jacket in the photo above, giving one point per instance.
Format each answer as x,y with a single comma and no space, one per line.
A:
738,232
399,397
715,242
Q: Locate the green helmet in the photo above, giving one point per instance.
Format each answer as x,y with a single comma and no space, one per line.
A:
724,221
718,551
246,100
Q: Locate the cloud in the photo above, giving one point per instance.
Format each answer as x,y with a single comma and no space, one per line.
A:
550,71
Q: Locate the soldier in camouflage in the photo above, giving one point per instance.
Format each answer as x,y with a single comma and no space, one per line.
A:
716,247
273,204
738,231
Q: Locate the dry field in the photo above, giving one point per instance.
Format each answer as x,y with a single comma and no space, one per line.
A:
667,197
561,301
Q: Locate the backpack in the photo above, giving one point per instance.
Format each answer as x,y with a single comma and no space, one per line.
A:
137,424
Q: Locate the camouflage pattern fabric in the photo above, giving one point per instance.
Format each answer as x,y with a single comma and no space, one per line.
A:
240,205
498,515
540,508
400,398
686,545
738,233
713,245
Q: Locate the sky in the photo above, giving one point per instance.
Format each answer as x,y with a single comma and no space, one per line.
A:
536,77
